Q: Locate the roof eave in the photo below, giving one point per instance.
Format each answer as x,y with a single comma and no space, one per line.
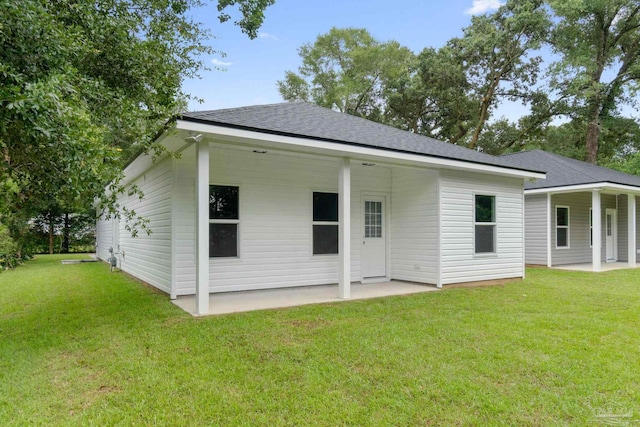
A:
246,132
602,185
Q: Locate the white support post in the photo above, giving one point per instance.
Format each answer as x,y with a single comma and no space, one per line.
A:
549,261
596,212
202,228
344,229
631,230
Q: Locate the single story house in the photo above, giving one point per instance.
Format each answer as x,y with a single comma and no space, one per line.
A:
293,194
560,212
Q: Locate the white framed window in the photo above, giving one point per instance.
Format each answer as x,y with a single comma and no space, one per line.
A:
224,221
562,227
325,223
485,224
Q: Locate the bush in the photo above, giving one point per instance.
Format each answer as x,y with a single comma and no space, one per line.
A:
8,250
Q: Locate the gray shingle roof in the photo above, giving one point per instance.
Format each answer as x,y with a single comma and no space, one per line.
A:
311,121
563,171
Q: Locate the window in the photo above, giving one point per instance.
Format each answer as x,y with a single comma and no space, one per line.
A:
224,208
325,223
485,224
562,226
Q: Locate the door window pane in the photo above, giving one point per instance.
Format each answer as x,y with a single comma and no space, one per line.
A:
372,219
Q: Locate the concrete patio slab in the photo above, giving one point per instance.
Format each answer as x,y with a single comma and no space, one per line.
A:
609,266
234,302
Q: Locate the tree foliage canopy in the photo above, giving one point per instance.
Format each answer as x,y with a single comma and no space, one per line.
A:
576,104
84,85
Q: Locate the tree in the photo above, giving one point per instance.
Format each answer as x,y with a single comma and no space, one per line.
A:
83,84
496,52
430,97
599,66
345,70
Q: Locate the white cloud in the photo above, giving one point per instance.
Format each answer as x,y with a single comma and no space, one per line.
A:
481,6
264,35
219,63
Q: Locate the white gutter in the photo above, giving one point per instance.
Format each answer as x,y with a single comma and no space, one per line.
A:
605,186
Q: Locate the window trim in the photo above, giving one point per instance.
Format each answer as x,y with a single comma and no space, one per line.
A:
493,224
336,223
567,227
229,221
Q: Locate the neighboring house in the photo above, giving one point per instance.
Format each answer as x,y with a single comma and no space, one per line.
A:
294,194
560,210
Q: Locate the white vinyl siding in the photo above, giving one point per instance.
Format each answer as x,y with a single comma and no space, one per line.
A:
536,229
414,233
459,263
148,257
104,238
276,209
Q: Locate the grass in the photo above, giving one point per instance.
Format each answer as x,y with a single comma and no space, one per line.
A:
80,345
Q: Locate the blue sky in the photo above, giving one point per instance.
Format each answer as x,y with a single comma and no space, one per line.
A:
252,67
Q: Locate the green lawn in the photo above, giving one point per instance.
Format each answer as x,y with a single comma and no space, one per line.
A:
81,345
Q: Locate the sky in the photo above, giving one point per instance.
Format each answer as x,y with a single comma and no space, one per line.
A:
251,68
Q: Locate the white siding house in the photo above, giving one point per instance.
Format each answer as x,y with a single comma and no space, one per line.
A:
580,213
255,200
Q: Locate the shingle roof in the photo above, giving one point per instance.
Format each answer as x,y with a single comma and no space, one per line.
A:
301,119
563,171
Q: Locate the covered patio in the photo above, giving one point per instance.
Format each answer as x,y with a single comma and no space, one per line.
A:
609,266
234,302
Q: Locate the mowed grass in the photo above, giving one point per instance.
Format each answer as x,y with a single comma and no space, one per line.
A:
82,346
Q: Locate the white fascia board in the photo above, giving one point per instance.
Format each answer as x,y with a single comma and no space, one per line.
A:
602,186
142,163
342,150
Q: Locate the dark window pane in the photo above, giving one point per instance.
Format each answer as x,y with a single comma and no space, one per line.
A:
325,206
485,239
562,216
325,239
223,202
485,208
223,240
562,237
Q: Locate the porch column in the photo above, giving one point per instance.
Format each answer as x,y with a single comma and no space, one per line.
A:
549,261
596,230
344,229
202,227
631,230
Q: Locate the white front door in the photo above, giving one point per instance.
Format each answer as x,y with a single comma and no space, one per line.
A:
374,247
611,234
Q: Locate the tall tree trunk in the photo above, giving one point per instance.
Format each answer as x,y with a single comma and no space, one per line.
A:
66,232
593,132
50,233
